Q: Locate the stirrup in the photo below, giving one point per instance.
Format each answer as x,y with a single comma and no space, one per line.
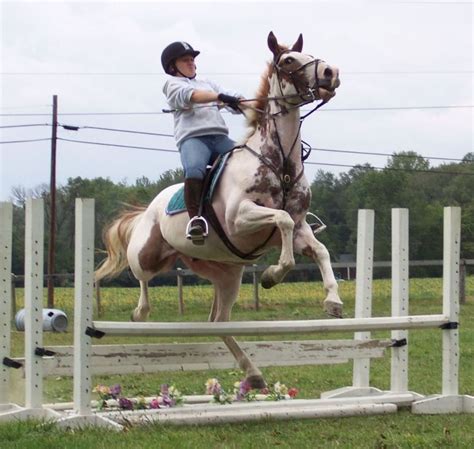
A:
195,231
317,225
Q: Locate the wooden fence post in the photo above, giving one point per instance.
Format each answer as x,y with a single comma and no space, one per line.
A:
97,298
179,275
256,299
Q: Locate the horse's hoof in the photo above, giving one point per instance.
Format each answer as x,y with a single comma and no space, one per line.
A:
256,382
267,280
333,309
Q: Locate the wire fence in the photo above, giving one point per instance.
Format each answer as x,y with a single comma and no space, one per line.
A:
345,271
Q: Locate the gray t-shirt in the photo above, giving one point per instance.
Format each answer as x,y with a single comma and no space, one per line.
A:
197,121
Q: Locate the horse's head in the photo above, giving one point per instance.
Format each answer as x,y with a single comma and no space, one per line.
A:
298,77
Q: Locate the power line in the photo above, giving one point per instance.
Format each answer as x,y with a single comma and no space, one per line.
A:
386,154
398,108
25,141
76,128
349,72
394,108
306,162
434,3
118,146
414,170
26,125
315,149
328,150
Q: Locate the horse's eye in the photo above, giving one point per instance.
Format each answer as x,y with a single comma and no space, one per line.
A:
289,60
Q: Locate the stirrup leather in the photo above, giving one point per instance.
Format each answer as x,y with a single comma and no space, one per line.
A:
192,226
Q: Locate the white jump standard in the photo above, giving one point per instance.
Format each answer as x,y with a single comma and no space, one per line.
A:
34,351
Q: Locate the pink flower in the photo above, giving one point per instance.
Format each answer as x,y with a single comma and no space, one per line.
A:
155,403
265,390
292,392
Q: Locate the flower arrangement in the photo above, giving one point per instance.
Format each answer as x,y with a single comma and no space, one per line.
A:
244,392
220,396
170,396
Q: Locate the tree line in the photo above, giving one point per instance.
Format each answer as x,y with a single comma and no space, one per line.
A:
407,181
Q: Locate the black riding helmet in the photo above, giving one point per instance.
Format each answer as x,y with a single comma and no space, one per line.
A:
174,51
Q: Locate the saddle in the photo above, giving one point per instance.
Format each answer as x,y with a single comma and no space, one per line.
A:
176,204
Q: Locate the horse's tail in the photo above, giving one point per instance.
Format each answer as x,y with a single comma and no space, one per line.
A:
116,239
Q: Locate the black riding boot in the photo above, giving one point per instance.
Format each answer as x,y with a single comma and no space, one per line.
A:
197,226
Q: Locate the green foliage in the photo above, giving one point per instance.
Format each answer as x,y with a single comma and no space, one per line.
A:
407,181
109,197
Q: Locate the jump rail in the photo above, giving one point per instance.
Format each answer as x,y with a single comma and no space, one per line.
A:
241,328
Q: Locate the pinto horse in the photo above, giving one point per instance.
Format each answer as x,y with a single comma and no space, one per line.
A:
261,202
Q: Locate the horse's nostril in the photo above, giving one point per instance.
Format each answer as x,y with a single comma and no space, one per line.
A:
327,72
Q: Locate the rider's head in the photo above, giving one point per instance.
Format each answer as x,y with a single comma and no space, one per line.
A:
177,59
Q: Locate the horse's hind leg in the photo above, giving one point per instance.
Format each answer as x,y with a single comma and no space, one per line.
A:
305,243
227,280
142,311
148,254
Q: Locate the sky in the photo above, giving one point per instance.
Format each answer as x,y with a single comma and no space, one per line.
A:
406,70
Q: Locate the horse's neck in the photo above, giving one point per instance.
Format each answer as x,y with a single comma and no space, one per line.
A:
278,134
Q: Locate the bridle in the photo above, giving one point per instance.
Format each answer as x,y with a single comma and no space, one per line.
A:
305,93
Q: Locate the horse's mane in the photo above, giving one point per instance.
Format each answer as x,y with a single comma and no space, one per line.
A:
254,116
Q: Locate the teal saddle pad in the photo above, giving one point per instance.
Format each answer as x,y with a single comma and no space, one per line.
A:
176,203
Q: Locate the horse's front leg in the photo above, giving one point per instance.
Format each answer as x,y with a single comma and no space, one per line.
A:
306,243
227,280
226,293
252,218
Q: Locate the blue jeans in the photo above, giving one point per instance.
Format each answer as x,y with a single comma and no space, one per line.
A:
198,152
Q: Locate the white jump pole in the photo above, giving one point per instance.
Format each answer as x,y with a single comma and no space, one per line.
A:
400,295
256,328
6,230
363,305
449,401
83,309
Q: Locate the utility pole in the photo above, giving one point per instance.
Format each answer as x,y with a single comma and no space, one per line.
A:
52,213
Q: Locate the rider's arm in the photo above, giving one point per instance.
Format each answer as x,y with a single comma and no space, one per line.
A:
203,96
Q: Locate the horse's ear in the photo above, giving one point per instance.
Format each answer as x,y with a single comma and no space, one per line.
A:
273,44
298,46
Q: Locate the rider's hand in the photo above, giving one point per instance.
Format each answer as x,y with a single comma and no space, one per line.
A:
230,101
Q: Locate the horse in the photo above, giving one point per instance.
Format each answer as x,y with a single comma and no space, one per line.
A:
260,202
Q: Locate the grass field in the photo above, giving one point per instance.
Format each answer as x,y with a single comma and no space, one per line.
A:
286,301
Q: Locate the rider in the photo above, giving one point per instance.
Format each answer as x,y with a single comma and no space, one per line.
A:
200,131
